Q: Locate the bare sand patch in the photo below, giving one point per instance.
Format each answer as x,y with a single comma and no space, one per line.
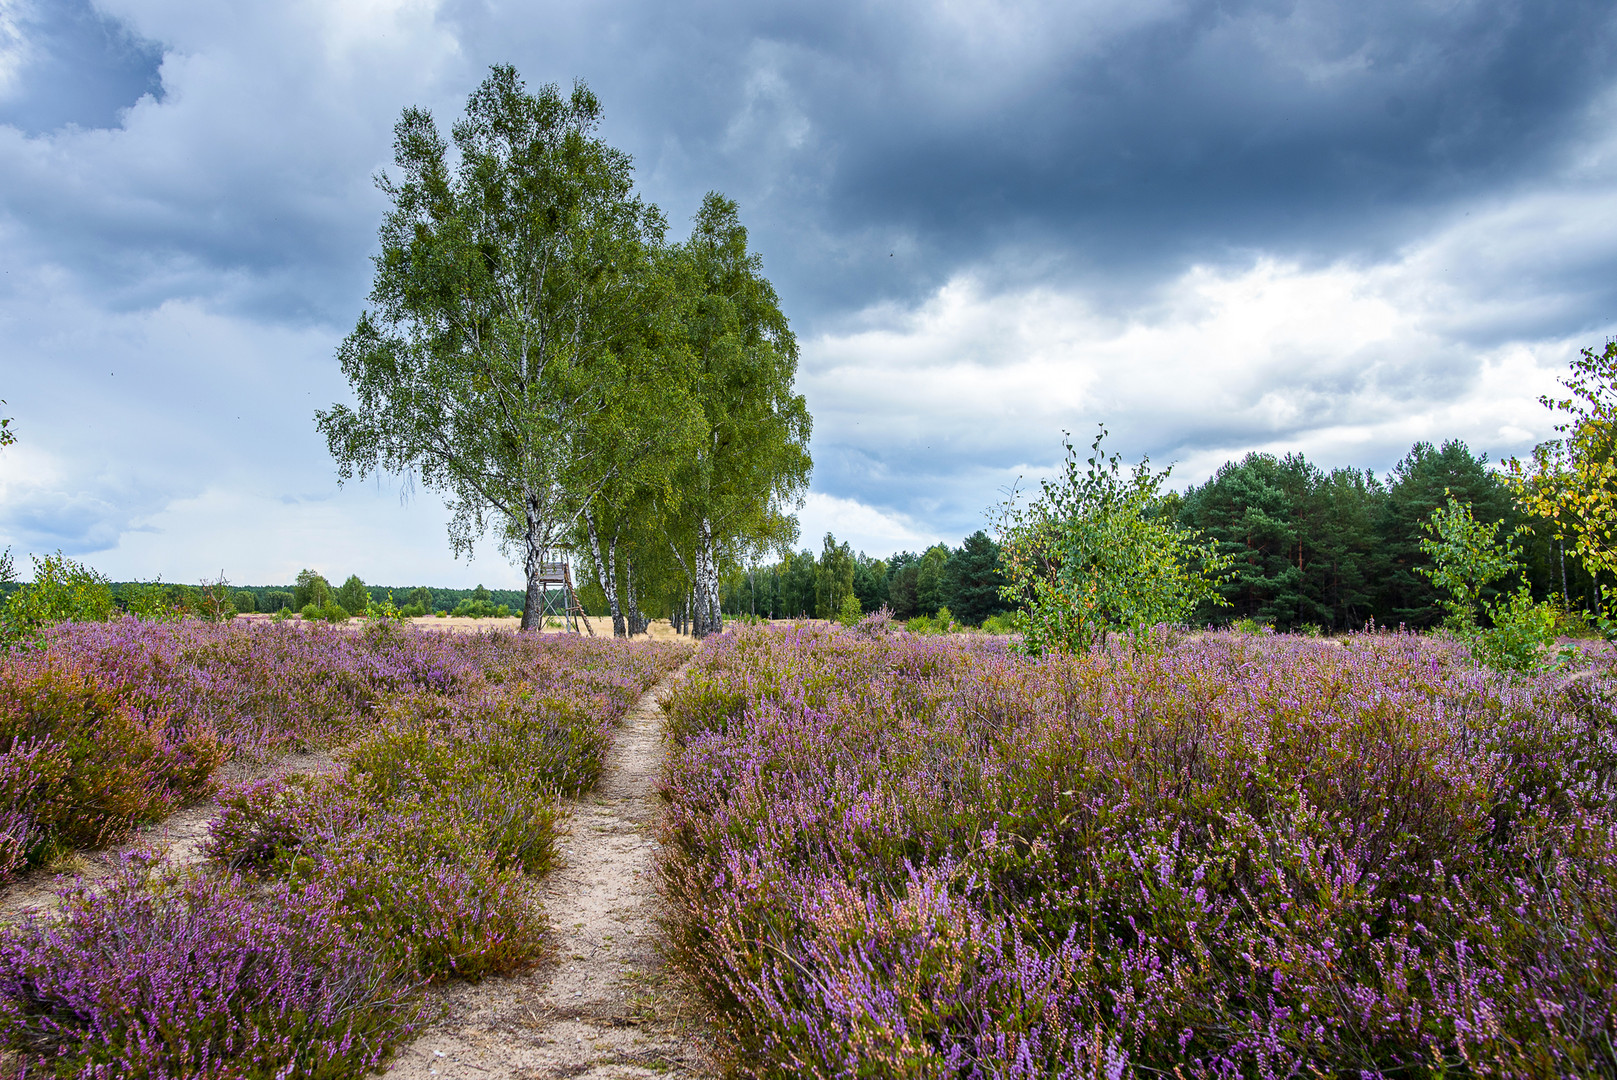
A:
177,840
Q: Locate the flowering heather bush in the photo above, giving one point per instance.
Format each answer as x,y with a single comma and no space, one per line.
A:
435,882
449,798
272,687
165,976
79,766
109,724
1227,856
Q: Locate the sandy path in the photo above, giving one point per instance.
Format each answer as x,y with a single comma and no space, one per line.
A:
177,839
602,1007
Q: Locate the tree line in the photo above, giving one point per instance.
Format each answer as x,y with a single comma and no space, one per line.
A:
1333,549
1339,548
966,580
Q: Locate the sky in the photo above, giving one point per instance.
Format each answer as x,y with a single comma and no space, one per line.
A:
1213,227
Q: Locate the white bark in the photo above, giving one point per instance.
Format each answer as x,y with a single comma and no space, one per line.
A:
707,618
606,572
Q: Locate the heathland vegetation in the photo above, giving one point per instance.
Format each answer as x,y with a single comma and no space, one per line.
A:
329,901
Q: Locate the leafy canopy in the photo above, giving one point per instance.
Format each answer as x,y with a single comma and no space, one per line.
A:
1572,481
511,294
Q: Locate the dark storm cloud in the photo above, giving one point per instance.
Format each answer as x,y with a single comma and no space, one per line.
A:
878,149
76,65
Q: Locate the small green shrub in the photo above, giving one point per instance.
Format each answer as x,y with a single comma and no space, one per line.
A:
311,612
851,612
334,613
1007,622
152,601
1468,556
62,591
1523,636
473,608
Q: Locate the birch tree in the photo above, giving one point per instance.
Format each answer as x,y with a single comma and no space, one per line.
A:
740,484
512,273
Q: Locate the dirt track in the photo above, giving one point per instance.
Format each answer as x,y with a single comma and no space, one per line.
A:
601,1007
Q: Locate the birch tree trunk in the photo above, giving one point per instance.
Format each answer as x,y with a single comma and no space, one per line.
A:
637,620
606,572
533,557
707,617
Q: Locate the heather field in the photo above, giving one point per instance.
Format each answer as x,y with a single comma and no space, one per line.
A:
1224,856
327,903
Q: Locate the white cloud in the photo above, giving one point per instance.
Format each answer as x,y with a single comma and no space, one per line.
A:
13,47
256,538
865,528
1349,364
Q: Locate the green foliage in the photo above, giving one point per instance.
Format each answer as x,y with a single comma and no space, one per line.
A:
214,600
1341,548
420,597
334,613
1007,622
941,623
245,600
851,611
479,609
310,588
833,579
870,582
62,591
310,612
153,601
1572,481
516,277
1468,556
1422,484
973,580
353,596
1098,553
903,587
931,579
384,613
754,459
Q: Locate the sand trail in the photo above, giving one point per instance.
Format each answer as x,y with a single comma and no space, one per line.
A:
602,1006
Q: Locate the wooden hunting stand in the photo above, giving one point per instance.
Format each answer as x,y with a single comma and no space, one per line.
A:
559,573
